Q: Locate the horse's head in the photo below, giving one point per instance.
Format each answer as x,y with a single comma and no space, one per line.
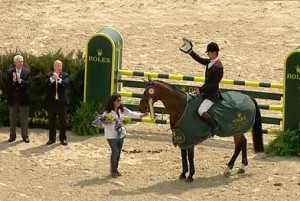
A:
150,95
168,94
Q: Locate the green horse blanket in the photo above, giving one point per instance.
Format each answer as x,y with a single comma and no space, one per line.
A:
235,115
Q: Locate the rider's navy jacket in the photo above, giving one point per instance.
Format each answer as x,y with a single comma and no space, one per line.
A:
213,76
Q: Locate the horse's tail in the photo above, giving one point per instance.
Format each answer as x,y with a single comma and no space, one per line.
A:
257,132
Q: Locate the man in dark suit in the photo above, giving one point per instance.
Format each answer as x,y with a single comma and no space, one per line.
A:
57,100
213,76
18,98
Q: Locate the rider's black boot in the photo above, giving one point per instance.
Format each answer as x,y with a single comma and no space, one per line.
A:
207,117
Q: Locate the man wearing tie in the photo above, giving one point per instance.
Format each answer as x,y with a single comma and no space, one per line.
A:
18,98
57,100
0,85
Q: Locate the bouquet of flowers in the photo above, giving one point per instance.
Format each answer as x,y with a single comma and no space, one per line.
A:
102,120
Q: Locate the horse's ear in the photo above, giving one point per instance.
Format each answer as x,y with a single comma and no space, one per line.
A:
149,79
146,81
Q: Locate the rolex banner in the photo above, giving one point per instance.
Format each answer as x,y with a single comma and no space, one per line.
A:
291,96
103,58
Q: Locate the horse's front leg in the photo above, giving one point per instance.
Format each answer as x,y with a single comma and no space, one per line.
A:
184,164
191,163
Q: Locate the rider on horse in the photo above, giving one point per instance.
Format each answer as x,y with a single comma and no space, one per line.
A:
213,76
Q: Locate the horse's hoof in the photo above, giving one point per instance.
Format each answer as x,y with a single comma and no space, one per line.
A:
182,177
189,180
227,174
241,171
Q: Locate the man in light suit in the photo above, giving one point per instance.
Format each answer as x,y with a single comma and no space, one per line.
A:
18,98
57,100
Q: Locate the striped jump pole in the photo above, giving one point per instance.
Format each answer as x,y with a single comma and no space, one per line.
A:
199,79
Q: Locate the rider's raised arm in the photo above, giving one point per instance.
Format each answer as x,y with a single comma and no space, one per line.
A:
199,59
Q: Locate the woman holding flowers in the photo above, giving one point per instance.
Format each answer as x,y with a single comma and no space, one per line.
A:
114,130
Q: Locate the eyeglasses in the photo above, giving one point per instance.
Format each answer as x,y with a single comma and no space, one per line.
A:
119,100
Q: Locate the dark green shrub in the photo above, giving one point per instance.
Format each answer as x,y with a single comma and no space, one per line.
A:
285,144
4,116
83,117
39,119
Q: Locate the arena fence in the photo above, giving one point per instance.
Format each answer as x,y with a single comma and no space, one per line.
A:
104,76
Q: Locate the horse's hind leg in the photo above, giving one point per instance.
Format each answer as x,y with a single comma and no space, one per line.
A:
242,169
238,142
184,155
191,163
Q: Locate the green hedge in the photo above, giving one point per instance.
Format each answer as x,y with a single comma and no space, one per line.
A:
286,143
73,63
3,113
83,117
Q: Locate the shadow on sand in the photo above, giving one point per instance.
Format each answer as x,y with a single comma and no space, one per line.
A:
97,181
177,187
39,150
173,187
5,144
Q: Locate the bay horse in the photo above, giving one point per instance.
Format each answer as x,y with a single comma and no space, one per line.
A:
175,102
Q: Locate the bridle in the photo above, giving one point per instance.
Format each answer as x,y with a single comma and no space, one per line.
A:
151,92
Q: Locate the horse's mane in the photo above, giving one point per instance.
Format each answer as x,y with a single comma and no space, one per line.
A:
171,87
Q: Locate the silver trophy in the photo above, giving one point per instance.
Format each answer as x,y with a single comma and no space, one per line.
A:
187,46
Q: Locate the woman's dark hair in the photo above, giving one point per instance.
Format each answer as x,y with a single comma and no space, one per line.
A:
110,104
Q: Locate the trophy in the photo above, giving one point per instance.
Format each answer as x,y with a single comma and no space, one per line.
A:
187,46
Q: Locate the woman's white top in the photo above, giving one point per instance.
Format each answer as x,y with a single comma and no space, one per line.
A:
110,131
